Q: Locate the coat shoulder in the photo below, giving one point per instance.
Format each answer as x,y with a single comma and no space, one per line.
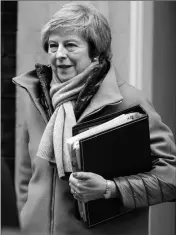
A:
133,96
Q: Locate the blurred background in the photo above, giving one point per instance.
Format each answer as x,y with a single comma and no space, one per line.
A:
144,53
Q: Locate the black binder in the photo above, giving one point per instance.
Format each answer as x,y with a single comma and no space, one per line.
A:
121,151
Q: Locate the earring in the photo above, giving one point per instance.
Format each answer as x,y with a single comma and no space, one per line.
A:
95,59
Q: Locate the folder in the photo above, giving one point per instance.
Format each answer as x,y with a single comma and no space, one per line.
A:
110,150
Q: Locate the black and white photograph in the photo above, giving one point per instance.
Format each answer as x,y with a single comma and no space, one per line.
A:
88,117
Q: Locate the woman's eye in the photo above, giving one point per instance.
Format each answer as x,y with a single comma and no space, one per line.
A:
53,47
71,46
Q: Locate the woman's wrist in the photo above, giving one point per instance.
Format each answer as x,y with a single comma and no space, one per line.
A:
111,190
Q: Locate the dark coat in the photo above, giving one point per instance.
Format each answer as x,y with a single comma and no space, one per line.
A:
45,201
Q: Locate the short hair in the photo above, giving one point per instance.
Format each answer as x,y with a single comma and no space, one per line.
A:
84,20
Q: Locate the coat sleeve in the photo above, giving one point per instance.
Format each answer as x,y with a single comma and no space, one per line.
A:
158,185
23,171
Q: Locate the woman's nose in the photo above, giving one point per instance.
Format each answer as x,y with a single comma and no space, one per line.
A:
61,53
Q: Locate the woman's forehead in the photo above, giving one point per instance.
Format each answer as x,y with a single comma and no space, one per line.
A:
65,34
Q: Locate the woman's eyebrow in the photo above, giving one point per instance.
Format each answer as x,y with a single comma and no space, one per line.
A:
72,40
49,41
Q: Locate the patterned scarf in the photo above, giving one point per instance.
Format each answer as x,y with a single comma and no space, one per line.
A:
53,146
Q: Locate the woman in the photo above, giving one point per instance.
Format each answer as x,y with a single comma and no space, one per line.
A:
81,83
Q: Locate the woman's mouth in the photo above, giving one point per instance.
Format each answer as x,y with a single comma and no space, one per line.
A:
64,66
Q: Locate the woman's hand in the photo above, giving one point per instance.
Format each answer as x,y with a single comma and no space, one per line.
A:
87,186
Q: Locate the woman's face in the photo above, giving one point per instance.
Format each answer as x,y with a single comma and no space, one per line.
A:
69,54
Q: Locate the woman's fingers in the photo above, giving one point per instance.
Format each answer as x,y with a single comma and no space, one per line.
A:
76,193
73,188
77,188
87,186
81,175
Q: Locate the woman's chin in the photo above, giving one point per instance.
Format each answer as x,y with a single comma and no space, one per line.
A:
65,77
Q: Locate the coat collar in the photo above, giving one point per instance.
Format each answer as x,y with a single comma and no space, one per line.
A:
30,82
108,92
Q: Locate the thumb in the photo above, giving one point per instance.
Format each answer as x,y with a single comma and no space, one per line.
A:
81,175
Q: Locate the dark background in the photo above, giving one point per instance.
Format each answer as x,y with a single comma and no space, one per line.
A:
8,71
